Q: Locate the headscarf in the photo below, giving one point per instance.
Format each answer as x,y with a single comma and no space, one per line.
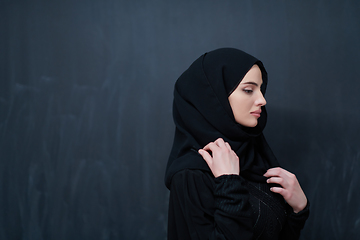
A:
202,114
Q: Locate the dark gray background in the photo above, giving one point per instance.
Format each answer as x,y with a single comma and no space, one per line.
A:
85,108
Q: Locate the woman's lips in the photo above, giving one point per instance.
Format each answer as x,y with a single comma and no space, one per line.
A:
256,113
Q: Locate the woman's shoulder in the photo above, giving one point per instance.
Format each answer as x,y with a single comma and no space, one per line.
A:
192,174
193,177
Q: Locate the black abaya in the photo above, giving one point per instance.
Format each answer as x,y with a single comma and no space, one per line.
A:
230,206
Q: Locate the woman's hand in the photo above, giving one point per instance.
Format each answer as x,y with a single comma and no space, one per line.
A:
223,160
291,190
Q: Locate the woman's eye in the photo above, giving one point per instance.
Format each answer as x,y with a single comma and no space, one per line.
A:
248,90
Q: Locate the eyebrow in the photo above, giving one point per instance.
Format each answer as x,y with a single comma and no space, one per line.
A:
252,83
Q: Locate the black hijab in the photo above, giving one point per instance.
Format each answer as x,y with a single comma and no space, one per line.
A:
202,114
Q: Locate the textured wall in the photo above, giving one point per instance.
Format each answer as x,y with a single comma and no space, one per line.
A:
85,108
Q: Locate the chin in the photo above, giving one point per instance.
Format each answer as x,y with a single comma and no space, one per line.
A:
252,125
249,124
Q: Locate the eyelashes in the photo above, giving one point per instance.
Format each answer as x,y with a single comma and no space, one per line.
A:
248,90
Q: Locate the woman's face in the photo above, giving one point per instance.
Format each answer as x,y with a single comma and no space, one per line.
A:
246,100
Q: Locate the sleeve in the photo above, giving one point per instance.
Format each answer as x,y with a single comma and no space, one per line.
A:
204,207
295,223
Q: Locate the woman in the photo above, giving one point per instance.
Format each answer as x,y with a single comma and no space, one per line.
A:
224,180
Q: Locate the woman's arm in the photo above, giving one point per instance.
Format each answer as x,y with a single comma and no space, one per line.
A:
204,207
291,191
211,208
295,223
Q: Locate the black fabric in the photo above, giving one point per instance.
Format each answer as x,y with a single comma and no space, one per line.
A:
202,113
201,209
228,207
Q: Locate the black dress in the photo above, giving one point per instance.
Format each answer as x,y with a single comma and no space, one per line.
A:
228,207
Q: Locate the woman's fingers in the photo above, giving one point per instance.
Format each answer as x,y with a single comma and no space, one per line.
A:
290,188
220,158
277,171
277,180
217,146
220,142
210,147
206,156
228,146
277,190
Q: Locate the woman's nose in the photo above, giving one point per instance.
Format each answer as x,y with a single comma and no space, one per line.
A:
260,101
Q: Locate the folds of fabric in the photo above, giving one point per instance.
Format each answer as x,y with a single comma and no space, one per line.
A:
202,114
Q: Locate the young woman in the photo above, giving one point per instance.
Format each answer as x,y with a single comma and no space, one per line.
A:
224,180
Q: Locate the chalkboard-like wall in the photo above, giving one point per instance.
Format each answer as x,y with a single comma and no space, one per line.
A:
85,108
